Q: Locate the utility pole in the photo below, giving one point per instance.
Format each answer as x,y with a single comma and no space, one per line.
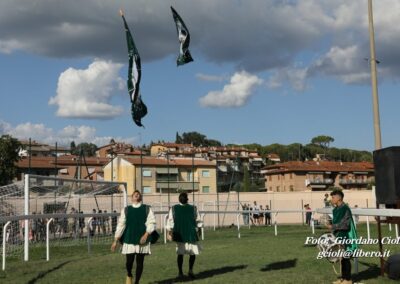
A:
374,80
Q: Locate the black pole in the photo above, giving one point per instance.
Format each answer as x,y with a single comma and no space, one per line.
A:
193,175
141,171
169,200
29,157
55,163
112,165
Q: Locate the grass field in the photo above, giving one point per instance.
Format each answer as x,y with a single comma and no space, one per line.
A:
258,257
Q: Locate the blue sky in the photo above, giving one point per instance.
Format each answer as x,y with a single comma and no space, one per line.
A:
264,71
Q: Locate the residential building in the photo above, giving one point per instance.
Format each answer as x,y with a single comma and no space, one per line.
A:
317,175
38,149
163,174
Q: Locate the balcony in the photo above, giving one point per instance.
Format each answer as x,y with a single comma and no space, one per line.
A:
320,181
178,185
353,181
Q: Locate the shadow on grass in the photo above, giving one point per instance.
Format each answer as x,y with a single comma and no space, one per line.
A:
280,265
372,271
202,275
44,273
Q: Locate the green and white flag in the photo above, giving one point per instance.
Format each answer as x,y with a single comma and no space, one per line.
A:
184,39
138,108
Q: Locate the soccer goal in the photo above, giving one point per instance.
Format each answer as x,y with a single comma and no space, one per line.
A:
45,210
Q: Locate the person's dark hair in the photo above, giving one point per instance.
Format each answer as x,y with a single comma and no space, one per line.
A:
337,192
183,198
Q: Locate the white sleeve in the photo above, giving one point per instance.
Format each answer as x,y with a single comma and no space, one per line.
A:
121,225
199,222
150,221
170,221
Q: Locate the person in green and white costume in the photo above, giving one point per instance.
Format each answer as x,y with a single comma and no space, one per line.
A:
343,228
135,225
182,224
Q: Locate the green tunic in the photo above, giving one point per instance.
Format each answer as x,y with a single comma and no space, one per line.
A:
185,223
343,218
135,225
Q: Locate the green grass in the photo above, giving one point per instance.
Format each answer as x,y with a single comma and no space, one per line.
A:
258,257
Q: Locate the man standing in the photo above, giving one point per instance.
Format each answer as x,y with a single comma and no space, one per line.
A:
183,220
343,227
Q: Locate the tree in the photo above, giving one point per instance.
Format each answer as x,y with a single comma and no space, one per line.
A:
197,139
322,141
178,139
88,149
72,147
9,149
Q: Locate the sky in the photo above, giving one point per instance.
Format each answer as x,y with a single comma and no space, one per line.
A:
264,71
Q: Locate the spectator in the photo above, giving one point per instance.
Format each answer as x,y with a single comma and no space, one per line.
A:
267,216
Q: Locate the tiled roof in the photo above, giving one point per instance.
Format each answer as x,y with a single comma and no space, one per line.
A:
62,161
152,161
321,166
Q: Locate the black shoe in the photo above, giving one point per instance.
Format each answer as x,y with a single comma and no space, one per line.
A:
191,274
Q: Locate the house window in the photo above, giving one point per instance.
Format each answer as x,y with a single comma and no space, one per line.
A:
205,173
291,175
277,188
206,189
270,178
146,189
291,188
146,172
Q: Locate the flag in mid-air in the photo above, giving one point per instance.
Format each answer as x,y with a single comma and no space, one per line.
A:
138,109
184,39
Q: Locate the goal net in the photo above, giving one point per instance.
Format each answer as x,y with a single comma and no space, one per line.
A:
78,211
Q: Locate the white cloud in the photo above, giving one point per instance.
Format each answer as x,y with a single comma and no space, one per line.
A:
41,133
234,94
86,93
346,63
296,77
212,78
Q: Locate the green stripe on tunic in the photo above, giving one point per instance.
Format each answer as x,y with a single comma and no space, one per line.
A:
351,234
135,225
185,224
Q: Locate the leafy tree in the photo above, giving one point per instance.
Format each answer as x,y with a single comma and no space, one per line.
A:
322,141
9,149
87,149
198,139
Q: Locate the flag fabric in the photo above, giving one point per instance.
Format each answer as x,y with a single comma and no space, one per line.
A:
184,39
138,108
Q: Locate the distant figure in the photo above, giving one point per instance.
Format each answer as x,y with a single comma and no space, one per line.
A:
308,214
114,223
245,215
256,213
327,202
267,216
356,217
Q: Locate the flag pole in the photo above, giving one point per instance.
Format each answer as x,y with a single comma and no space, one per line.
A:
375,104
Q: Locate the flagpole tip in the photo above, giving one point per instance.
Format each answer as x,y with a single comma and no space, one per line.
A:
121,12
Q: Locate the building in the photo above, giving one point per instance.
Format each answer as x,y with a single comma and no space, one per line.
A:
38,149
231,162
162,174
317,175
67,166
